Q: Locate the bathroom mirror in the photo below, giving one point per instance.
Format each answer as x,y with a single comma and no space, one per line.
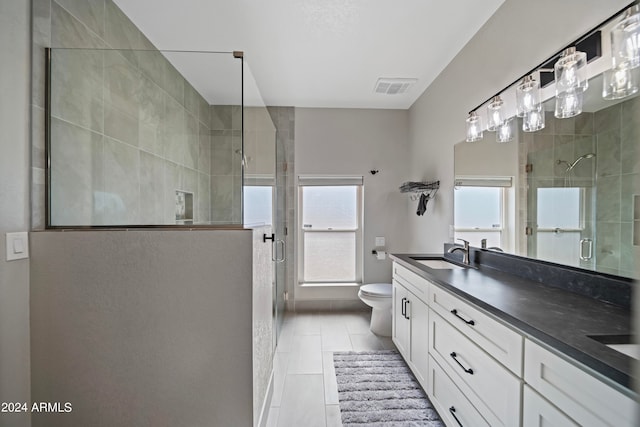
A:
574,198
574,192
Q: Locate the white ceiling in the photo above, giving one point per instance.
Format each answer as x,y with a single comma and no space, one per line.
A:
318,53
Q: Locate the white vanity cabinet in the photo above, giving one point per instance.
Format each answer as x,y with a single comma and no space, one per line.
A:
570,391
479,370
411,321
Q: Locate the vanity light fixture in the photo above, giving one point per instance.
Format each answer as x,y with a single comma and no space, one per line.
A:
571,71
505,131
619,82
569,104
528,96
622,79
625,40
569,74
495,115
533,121
571,82
474,127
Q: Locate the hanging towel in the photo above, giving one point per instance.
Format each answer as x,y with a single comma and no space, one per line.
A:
422,204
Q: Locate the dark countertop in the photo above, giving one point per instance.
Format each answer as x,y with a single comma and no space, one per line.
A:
556,317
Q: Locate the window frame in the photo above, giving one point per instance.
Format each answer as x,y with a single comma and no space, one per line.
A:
301,230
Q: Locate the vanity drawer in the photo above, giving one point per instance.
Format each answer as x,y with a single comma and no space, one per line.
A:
490,383
584,398
501,342
449,401
419,286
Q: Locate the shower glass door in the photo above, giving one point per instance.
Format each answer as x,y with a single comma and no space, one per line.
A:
561,199
260,201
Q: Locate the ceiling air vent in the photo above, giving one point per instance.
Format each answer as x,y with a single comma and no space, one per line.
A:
393,86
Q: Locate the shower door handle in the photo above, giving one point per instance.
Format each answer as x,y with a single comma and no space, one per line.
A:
589,244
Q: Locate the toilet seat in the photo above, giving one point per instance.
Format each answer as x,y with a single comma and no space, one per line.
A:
379,290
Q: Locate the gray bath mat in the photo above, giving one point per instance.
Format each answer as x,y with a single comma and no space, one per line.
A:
376,388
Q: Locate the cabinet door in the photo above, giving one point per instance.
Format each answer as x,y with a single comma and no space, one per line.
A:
583,397
537,412
419,318
400,326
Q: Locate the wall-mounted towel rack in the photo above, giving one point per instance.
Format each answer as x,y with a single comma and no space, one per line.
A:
423,191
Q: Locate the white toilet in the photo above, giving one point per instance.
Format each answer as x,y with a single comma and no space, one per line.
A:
378,296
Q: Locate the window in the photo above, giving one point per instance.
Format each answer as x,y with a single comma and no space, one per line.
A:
258,204
560,225
330,237
479,211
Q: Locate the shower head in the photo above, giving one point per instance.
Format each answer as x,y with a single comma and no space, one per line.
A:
579,159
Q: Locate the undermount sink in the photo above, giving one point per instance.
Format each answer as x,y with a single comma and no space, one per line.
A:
619,343
439,264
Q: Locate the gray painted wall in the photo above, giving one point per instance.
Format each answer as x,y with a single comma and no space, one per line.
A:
14,205
137,328
333,141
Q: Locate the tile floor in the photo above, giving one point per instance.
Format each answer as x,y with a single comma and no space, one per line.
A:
305,391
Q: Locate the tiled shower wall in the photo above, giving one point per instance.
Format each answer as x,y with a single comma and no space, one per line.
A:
226,164
136,129
617,134
613,134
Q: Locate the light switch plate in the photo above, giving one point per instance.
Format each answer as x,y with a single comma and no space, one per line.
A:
17,245
380,242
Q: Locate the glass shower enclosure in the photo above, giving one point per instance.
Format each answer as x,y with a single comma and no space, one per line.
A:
149,138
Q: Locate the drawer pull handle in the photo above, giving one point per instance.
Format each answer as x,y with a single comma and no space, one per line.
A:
403,308
453,413
454,356
468,322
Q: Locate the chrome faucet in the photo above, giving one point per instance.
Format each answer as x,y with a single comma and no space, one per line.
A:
483,245
464,249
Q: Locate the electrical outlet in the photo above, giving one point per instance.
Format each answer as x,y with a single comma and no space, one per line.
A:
380,242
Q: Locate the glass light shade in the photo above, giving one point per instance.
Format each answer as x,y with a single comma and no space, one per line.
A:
474,127
527,96
571,72
533,121
495,115
619,82
569,104
625,40
505,131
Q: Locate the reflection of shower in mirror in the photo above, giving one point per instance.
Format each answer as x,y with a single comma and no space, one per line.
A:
576,161
570,166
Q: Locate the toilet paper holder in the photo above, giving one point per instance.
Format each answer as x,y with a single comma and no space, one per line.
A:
379,253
